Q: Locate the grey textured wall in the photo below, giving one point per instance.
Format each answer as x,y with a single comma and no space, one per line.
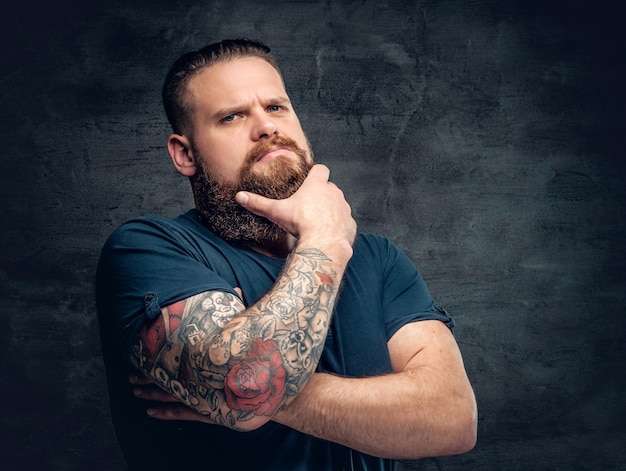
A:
484,137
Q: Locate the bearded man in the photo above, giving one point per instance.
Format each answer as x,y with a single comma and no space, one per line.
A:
227,318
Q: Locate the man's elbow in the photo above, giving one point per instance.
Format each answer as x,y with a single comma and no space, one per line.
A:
249,424
455,432
464,433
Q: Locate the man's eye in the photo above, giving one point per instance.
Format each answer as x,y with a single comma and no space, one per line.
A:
228,118
274,108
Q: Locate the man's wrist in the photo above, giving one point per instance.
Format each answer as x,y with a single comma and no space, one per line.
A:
338,251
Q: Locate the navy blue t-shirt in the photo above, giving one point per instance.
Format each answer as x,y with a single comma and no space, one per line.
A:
150,263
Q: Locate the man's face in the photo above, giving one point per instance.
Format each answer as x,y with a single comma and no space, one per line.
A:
246,137
237,105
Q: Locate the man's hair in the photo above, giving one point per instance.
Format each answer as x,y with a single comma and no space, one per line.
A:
177,108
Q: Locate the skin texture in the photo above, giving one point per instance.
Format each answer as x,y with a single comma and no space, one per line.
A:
425,408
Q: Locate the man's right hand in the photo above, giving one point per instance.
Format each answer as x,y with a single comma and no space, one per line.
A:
238,342
317,214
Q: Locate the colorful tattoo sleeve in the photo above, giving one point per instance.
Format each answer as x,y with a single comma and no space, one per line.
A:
232,363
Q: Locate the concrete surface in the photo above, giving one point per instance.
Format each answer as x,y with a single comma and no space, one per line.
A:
484,137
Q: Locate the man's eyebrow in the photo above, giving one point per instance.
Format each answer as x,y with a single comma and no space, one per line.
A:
227,111
234,109
280,100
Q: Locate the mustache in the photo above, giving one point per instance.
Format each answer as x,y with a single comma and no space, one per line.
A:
275,141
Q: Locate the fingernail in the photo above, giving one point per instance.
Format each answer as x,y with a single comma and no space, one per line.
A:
151,412
242,198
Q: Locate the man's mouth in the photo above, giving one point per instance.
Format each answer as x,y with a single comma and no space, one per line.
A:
273,153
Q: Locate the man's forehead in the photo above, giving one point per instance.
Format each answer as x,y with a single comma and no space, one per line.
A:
231,75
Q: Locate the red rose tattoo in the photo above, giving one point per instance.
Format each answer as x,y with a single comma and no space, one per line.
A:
256,382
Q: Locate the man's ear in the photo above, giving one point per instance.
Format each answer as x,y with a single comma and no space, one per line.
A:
183,159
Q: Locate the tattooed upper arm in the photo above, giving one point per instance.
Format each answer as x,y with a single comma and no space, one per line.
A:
173,350
239,365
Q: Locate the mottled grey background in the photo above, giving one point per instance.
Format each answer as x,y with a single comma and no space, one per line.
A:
484,137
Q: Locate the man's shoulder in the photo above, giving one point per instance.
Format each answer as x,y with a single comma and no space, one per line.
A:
150,226
182,220
183,233
372,238
378,253
369,243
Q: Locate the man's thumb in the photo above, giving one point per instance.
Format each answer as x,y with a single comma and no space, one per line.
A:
242,198
254,203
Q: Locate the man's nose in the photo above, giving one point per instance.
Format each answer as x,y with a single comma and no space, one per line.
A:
264,127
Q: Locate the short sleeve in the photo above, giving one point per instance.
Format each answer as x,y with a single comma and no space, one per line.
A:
406,297
147,264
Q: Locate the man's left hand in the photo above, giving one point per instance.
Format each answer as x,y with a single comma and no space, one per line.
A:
166,406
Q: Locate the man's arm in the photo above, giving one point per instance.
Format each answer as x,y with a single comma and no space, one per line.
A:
237,366
426,408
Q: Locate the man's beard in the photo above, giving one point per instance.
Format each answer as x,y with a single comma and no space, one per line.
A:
276,179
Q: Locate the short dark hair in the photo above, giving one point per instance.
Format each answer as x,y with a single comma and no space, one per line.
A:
174,97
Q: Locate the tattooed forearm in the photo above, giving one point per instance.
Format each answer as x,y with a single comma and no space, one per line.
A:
235,364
